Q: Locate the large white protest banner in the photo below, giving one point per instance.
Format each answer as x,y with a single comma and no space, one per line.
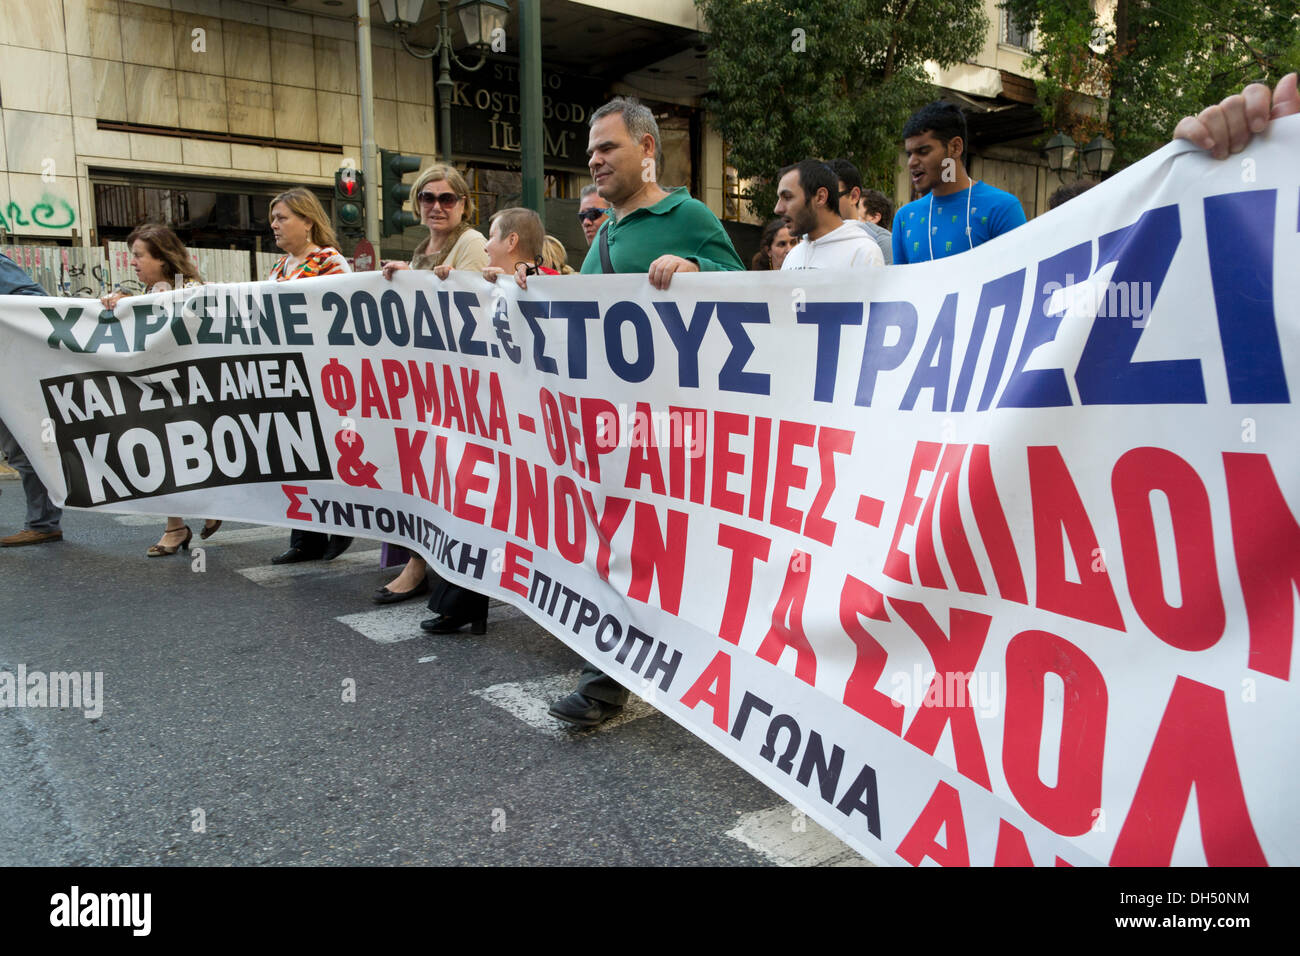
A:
987,560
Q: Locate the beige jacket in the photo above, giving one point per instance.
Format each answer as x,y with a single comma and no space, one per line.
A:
469,252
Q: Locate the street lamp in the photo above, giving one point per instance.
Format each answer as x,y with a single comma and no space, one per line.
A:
1063,153
480,20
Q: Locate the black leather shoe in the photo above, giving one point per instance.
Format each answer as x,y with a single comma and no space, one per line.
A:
337,546
385,596
293,556
451,623
583,711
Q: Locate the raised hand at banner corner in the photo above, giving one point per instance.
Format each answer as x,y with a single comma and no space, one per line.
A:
1227,127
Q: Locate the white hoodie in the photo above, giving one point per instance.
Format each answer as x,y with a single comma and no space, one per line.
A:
848,247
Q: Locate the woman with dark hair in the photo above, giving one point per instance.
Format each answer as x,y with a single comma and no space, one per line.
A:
302,229
161,261
772,248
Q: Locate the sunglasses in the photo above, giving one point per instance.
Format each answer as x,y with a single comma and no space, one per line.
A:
445,200
591,215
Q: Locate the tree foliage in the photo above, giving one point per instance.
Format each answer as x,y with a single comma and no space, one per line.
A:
1161,60
826,78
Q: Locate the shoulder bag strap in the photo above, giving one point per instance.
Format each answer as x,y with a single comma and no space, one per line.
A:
606,265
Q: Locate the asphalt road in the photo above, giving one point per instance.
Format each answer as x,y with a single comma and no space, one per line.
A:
226,737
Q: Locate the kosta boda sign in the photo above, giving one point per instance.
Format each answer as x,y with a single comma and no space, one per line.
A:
487,114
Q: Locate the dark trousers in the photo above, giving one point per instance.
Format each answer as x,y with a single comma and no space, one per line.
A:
598,685
313,542
41,513
454,600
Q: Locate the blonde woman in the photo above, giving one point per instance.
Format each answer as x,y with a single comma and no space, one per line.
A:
160,259
442,197
302,230
555,258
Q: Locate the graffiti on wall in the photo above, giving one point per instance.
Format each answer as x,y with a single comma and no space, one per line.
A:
51,212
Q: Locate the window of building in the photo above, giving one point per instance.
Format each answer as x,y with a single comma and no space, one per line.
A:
492,189
207,213
731,200
735,208
1014,35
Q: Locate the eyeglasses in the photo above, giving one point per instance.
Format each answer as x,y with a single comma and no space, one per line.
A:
445,200
591,215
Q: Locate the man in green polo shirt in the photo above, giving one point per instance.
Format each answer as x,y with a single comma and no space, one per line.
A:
651,230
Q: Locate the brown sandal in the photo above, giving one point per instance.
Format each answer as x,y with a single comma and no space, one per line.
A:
210,528
162,551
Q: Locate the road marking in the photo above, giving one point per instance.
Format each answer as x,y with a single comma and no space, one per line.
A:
393,624
787,837
139,521
389,625
223,537
426,660
529,701
283,575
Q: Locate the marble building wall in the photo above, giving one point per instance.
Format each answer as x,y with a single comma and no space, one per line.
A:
220,66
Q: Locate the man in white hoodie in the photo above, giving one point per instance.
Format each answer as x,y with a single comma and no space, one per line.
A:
808,199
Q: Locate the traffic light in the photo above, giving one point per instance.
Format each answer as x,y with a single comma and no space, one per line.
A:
350,198
392,167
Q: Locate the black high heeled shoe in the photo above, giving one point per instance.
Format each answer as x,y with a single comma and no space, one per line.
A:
451,623
161,550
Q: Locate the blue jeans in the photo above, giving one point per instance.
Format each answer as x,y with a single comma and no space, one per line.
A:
41,514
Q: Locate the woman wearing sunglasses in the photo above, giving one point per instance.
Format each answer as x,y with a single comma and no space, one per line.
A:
442,197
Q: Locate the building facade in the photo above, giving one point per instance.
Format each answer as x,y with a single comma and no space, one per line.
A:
196,112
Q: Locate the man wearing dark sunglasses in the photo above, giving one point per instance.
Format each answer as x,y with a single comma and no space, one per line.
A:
592,209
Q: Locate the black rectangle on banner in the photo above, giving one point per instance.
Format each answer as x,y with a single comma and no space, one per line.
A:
201,424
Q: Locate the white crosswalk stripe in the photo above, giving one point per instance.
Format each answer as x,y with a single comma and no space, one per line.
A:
529,700
401,622
139,521
225,535
283,575
240,536
389,625
787,837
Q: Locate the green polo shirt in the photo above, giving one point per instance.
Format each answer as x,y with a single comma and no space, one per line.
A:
676,225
